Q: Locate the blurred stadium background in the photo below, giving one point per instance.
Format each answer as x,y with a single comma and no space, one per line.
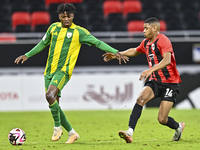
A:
116,22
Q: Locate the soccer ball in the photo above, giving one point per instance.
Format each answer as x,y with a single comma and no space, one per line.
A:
17,136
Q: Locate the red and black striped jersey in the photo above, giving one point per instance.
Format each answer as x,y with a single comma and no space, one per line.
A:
154,52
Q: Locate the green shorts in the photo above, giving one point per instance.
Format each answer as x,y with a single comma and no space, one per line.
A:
58,79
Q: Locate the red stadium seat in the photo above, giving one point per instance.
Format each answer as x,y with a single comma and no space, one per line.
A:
74,1
112,7
137,25
131,7
20,18
40,18
47,2
163,25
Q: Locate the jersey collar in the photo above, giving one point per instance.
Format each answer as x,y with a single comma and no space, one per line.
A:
149,43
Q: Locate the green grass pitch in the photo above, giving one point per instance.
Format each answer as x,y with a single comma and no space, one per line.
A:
99,130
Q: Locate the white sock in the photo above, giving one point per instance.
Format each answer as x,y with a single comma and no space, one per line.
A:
72,131
130,130
57,128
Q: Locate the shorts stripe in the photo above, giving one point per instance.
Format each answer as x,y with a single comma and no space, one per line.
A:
62,81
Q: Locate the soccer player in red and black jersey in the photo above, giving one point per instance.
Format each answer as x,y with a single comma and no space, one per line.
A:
162,78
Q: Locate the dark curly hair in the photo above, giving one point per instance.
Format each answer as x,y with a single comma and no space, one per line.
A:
68,8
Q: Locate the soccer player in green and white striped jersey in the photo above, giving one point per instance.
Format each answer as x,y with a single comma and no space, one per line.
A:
65,39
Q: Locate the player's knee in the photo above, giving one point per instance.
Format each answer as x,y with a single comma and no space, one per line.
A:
50,97
162,120
141,101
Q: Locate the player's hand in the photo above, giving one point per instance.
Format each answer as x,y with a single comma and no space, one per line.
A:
22,57
145,74
121,57
108,56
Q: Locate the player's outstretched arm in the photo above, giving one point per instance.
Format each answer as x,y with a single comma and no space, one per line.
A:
22,57
121,57
127,53
38,48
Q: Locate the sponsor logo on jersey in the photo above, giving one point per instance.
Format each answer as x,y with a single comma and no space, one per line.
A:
151,56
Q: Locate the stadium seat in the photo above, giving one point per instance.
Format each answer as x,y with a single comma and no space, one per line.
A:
148,5
79,8
192,25
5,17
5,8
74,1
135,16
131,7
97,26
53,7
40,18
172,15
189,14
117,26
13,1
3,2
115,17
19,5
4,27
93,5
54,17
37,5
174,25
23,28
95,16
20,18
163,25
150,13
47,2
137,25
41,28
80,19
111,7
37,1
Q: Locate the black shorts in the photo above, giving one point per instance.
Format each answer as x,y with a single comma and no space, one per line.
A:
167,91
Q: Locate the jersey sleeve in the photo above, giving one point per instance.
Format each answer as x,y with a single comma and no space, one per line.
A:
86,38
141,47
165,44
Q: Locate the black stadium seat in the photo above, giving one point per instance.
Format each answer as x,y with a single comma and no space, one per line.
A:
37,5
23,28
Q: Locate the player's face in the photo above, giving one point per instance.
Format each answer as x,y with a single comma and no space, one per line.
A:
148,31
66,19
